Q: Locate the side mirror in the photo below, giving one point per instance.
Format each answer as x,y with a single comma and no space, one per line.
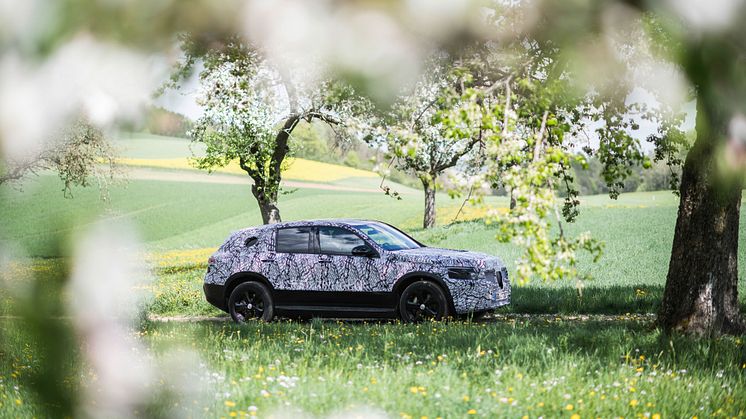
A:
363,250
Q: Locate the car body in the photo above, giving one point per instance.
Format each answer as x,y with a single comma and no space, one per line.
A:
349,268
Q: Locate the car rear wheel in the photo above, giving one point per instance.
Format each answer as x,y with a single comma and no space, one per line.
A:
422,301
251,300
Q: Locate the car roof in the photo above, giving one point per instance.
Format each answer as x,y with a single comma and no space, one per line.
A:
323,221
298,223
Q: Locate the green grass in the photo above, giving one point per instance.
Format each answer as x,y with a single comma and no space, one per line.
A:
508,369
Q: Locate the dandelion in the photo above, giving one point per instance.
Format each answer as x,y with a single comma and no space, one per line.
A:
229,403
656,416
472,412
575,416
633,402
466,398
569,407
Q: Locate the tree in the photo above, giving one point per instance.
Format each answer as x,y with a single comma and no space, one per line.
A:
417,140
701,293
251,109
536,109
78,154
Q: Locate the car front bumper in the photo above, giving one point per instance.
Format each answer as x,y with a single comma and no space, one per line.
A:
481,294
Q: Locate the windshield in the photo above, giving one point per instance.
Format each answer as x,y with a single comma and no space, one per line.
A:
387,237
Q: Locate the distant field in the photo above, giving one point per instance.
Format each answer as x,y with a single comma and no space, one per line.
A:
175,215
147,150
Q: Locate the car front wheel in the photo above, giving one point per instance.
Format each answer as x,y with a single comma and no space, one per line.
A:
251,300
422,301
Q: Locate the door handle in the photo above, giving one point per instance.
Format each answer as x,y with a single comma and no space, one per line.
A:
324,261
268,260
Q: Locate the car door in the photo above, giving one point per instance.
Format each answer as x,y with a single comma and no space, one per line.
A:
338,269
290,266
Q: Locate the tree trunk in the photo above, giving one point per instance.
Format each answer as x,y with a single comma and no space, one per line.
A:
513,202
701,295
267,205
429,218
270,212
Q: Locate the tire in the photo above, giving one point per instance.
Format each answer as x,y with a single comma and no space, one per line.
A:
422,301
251,300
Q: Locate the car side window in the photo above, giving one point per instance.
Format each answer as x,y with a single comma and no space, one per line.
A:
338,241
293,240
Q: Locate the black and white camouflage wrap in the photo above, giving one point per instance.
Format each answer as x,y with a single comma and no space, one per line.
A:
303,272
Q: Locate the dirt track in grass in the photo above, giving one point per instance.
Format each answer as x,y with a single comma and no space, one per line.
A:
139,173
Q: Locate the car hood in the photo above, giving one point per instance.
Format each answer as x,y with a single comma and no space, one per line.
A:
448,257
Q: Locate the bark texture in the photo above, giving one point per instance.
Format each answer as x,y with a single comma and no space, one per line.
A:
701,295
267,205
429,217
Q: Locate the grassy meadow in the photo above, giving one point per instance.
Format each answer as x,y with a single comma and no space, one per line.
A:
611,365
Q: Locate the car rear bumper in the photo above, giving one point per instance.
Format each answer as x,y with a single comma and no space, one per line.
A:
215,295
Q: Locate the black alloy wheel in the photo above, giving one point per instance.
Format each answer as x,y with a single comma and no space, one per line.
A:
423,301
251,300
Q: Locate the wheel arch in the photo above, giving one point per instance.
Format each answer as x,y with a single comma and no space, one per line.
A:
408,279
239,278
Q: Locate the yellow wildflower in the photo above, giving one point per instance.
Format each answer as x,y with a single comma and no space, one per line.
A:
575,416
633,402
569,407
472,412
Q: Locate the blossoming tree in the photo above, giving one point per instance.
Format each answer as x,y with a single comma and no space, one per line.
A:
415,137
251,108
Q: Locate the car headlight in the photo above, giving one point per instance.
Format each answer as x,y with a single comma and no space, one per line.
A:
460,272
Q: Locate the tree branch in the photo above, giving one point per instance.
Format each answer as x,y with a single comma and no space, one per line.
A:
540,137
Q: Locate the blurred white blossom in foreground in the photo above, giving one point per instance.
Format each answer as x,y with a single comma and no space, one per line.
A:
104,82
709,15
104,300
103,304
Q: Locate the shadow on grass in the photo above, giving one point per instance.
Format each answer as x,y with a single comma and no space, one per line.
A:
638,299
589,300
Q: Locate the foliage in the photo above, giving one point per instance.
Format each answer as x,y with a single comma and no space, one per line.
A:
164,122
78,155
412,132
534,109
